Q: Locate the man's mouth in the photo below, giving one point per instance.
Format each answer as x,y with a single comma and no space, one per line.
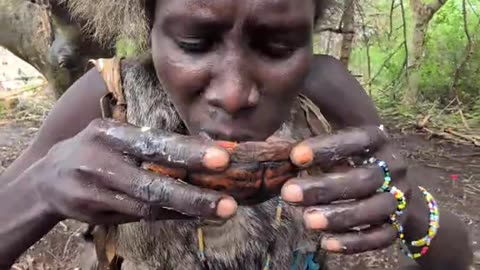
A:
227,134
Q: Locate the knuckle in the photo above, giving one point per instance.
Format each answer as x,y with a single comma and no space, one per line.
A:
96,123
378,133
368,174
400,170
81,172
57,161
371,177
151,190
316,190
143,210
58,151
391,233
89,135
93,131
322,191
343,219
80,200
352,217
389,202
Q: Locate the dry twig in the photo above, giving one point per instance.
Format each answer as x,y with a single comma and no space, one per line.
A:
463,136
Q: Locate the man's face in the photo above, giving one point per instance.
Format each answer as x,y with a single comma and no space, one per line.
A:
233,68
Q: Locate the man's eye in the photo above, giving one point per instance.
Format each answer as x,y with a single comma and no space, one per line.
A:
194,45
277,50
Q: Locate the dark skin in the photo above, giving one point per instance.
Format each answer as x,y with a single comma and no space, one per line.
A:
232,69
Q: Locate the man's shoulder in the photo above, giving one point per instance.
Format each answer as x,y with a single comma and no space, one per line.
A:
327,68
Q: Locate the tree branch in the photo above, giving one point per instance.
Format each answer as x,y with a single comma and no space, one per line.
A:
435,5
390,30
338,30
405,45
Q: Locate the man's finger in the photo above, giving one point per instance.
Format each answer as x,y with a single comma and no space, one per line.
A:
160,190
357,242
119,208
327,150
161,147
181,197
342,216
353,184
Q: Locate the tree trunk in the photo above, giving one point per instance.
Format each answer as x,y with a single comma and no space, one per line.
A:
26,31
470,49
422,14
417,45
347,21
46,37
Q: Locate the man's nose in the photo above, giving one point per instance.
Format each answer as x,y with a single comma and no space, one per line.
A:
233,88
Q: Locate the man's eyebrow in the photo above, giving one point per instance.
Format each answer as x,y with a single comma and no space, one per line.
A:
197,21
276,25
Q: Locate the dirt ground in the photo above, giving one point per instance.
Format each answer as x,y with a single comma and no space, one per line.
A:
432,163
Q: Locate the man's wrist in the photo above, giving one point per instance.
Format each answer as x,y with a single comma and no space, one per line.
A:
418,214
24,218
418,217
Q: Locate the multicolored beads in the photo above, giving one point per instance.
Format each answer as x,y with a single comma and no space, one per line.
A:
400,198
398,227
386,172
398,194
434,224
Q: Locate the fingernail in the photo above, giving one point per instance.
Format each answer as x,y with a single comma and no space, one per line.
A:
302,155
292,193
226,207
216,159
332,245
315,220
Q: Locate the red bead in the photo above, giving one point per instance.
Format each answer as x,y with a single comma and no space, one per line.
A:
424,251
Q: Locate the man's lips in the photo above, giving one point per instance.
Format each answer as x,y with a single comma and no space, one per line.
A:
229,134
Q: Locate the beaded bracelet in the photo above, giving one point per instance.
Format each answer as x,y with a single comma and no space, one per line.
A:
398,227
386,172
434,224
400,197
424,242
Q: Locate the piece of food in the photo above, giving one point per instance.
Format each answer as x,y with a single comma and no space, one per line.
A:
256,173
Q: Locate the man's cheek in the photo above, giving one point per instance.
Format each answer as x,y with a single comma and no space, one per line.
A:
185,77
284,84
286,77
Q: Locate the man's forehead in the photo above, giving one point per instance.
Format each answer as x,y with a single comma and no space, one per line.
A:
229,9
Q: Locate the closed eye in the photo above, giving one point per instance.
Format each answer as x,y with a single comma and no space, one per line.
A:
274,50
195,45
278,50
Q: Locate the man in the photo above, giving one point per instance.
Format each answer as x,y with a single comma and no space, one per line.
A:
232,70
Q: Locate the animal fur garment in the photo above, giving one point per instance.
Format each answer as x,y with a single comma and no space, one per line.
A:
240,243
111,20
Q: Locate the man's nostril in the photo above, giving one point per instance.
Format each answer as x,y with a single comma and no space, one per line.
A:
213,113
253,98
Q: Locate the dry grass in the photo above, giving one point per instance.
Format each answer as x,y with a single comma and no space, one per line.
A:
30,104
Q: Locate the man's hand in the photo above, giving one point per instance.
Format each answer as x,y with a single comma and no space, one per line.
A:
341,200
94,177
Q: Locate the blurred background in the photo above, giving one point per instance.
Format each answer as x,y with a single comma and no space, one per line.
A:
419,60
